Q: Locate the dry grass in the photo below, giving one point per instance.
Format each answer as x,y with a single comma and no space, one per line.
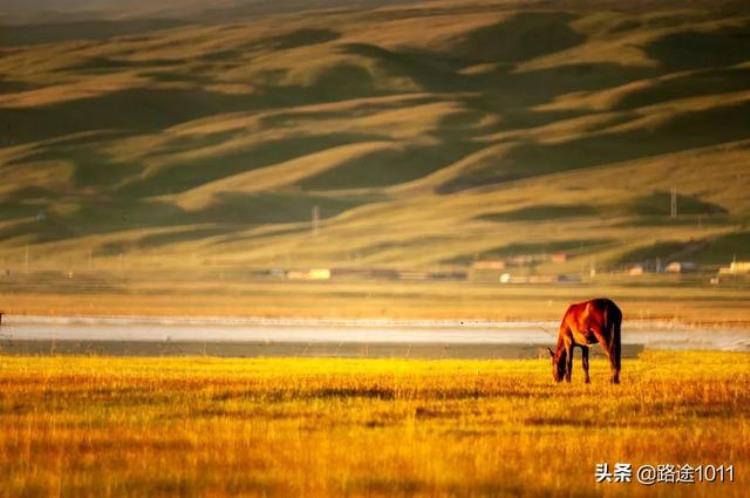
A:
223,294
101,427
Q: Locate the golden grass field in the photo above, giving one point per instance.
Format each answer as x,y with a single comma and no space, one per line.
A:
99,427
179,158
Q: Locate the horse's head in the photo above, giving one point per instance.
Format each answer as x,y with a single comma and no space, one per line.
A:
558,365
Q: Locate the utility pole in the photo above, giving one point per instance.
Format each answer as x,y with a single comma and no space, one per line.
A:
673,203
315,220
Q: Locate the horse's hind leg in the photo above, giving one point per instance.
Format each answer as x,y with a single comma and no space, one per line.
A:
607,347
585,362
615,353
611,347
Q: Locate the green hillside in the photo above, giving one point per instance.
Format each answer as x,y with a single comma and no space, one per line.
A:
425,136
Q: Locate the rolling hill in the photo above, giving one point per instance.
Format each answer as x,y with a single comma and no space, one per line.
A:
424,135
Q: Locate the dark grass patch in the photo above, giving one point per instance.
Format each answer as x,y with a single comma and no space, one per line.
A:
686,131
11,86
274,207
695,49
389,167
658,203
231,212
725,248
177,236
380,486
698,221
542,212
663,251
302,37
709,251
433,71
184,176
709,82
400,244
564,421
12,210
373,392
575,247
510,94
137,110
34,34
522,37
423,412
96,65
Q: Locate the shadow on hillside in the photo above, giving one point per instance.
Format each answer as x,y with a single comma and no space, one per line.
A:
694,49
135,110
709,82
11,86
193,173
92,168
229,213
104,65
142,110
300,38
521,37
499,91
686,131
711,250
658,203
542,212
34,34
294,39
655,210
573,247
389,167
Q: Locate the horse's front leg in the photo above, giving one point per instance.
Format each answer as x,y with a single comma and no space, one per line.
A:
568,362
585,362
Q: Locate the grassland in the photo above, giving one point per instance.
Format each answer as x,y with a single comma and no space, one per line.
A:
427,135
101,427
642,299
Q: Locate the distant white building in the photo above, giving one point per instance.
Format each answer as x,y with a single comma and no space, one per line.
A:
636,270
680,267
735,267
314,274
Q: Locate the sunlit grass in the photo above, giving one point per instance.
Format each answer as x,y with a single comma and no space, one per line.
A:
232,293
90,426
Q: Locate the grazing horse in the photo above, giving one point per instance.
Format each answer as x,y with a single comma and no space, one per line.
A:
589,322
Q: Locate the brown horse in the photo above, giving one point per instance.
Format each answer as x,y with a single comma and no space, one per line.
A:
589,322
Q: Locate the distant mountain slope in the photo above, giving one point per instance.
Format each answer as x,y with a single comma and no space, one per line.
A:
422,136
46,11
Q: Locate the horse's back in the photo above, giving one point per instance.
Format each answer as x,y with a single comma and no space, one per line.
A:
603,305
602,310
